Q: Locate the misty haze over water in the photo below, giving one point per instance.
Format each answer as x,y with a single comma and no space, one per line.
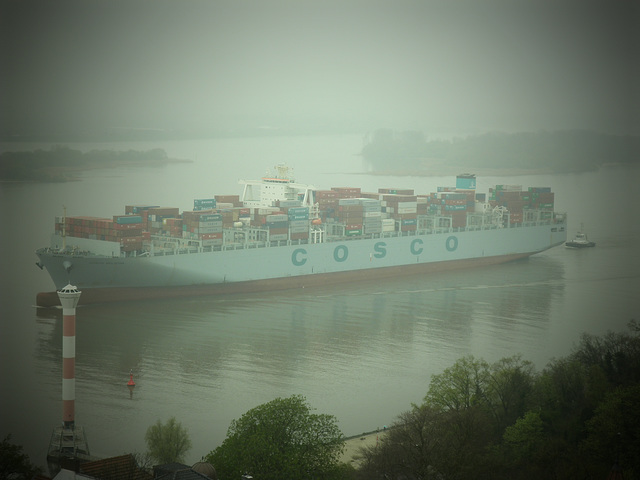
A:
94,72
76,68
362,352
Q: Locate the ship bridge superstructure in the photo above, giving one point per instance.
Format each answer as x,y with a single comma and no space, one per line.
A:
277,185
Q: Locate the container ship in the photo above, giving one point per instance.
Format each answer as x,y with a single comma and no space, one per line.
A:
278,234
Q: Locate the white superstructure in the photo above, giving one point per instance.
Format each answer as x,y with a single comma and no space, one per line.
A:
275,186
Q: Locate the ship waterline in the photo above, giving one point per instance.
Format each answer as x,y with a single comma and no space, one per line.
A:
292,266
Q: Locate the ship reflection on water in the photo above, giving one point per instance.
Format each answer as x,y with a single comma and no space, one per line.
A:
340,346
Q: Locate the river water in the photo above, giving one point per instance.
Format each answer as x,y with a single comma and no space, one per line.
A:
361,352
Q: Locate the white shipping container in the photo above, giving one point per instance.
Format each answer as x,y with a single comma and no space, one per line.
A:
210,230
216,223
509,188
299,229
277,218
299,224
482,207
267,210
371,209
407,210
211,242
278,237
349,201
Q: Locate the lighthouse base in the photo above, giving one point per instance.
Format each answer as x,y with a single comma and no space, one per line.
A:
68,445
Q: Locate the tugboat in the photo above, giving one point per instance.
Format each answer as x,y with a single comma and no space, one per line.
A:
580,240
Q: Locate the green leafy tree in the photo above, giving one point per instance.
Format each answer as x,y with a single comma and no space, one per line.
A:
616,354
573,420
522,446
460,386
14,464
613,431
281,439
168,442
461,395
509,389
411,448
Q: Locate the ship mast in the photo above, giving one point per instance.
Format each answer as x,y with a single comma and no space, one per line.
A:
64,227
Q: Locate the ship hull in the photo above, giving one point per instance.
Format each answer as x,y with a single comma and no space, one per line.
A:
106,279
113,294
579,244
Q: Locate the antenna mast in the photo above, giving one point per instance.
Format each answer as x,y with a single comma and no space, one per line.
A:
64,228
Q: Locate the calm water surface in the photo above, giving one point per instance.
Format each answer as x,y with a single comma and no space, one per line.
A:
362,352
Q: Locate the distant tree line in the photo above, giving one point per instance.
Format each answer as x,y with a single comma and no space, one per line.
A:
60,162
557,151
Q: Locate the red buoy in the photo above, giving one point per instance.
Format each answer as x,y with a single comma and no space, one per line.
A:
131,383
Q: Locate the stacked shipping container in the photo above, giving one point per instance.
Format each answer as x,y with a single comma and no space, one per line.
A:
203,225
517,201
298,222
360,213
402,207
125,230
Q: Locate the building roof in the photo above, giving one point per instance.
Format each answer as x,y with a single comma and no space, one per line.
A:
178,471
65,474
123,467
205,468
40,476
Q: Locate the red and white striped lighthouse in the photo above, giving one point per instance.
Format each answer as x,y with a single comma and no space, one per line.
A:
69,297
68,440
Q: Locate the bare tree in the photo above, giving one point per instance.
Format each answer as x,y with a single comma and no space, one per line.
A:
168,442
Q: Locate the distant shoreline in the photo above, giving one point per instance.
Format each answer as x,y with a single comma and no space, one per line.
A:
63,164
525,153
453,170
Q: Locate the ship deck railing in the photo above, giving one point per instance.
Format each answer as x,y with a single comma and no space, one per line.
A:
174,249
255,238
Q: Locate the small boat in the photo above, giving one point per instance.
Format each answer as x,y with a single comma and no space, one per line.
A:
580,240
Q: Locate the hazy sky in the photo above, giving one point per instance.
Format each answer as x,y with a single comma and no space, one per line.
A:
460,65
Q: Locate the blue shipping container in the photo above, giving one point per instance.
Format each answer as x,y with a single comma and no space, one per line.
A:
123,220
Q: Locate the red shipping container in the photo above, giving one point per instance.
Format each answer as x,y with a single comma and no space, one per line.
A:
347,190
324,194
299,236
210,236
